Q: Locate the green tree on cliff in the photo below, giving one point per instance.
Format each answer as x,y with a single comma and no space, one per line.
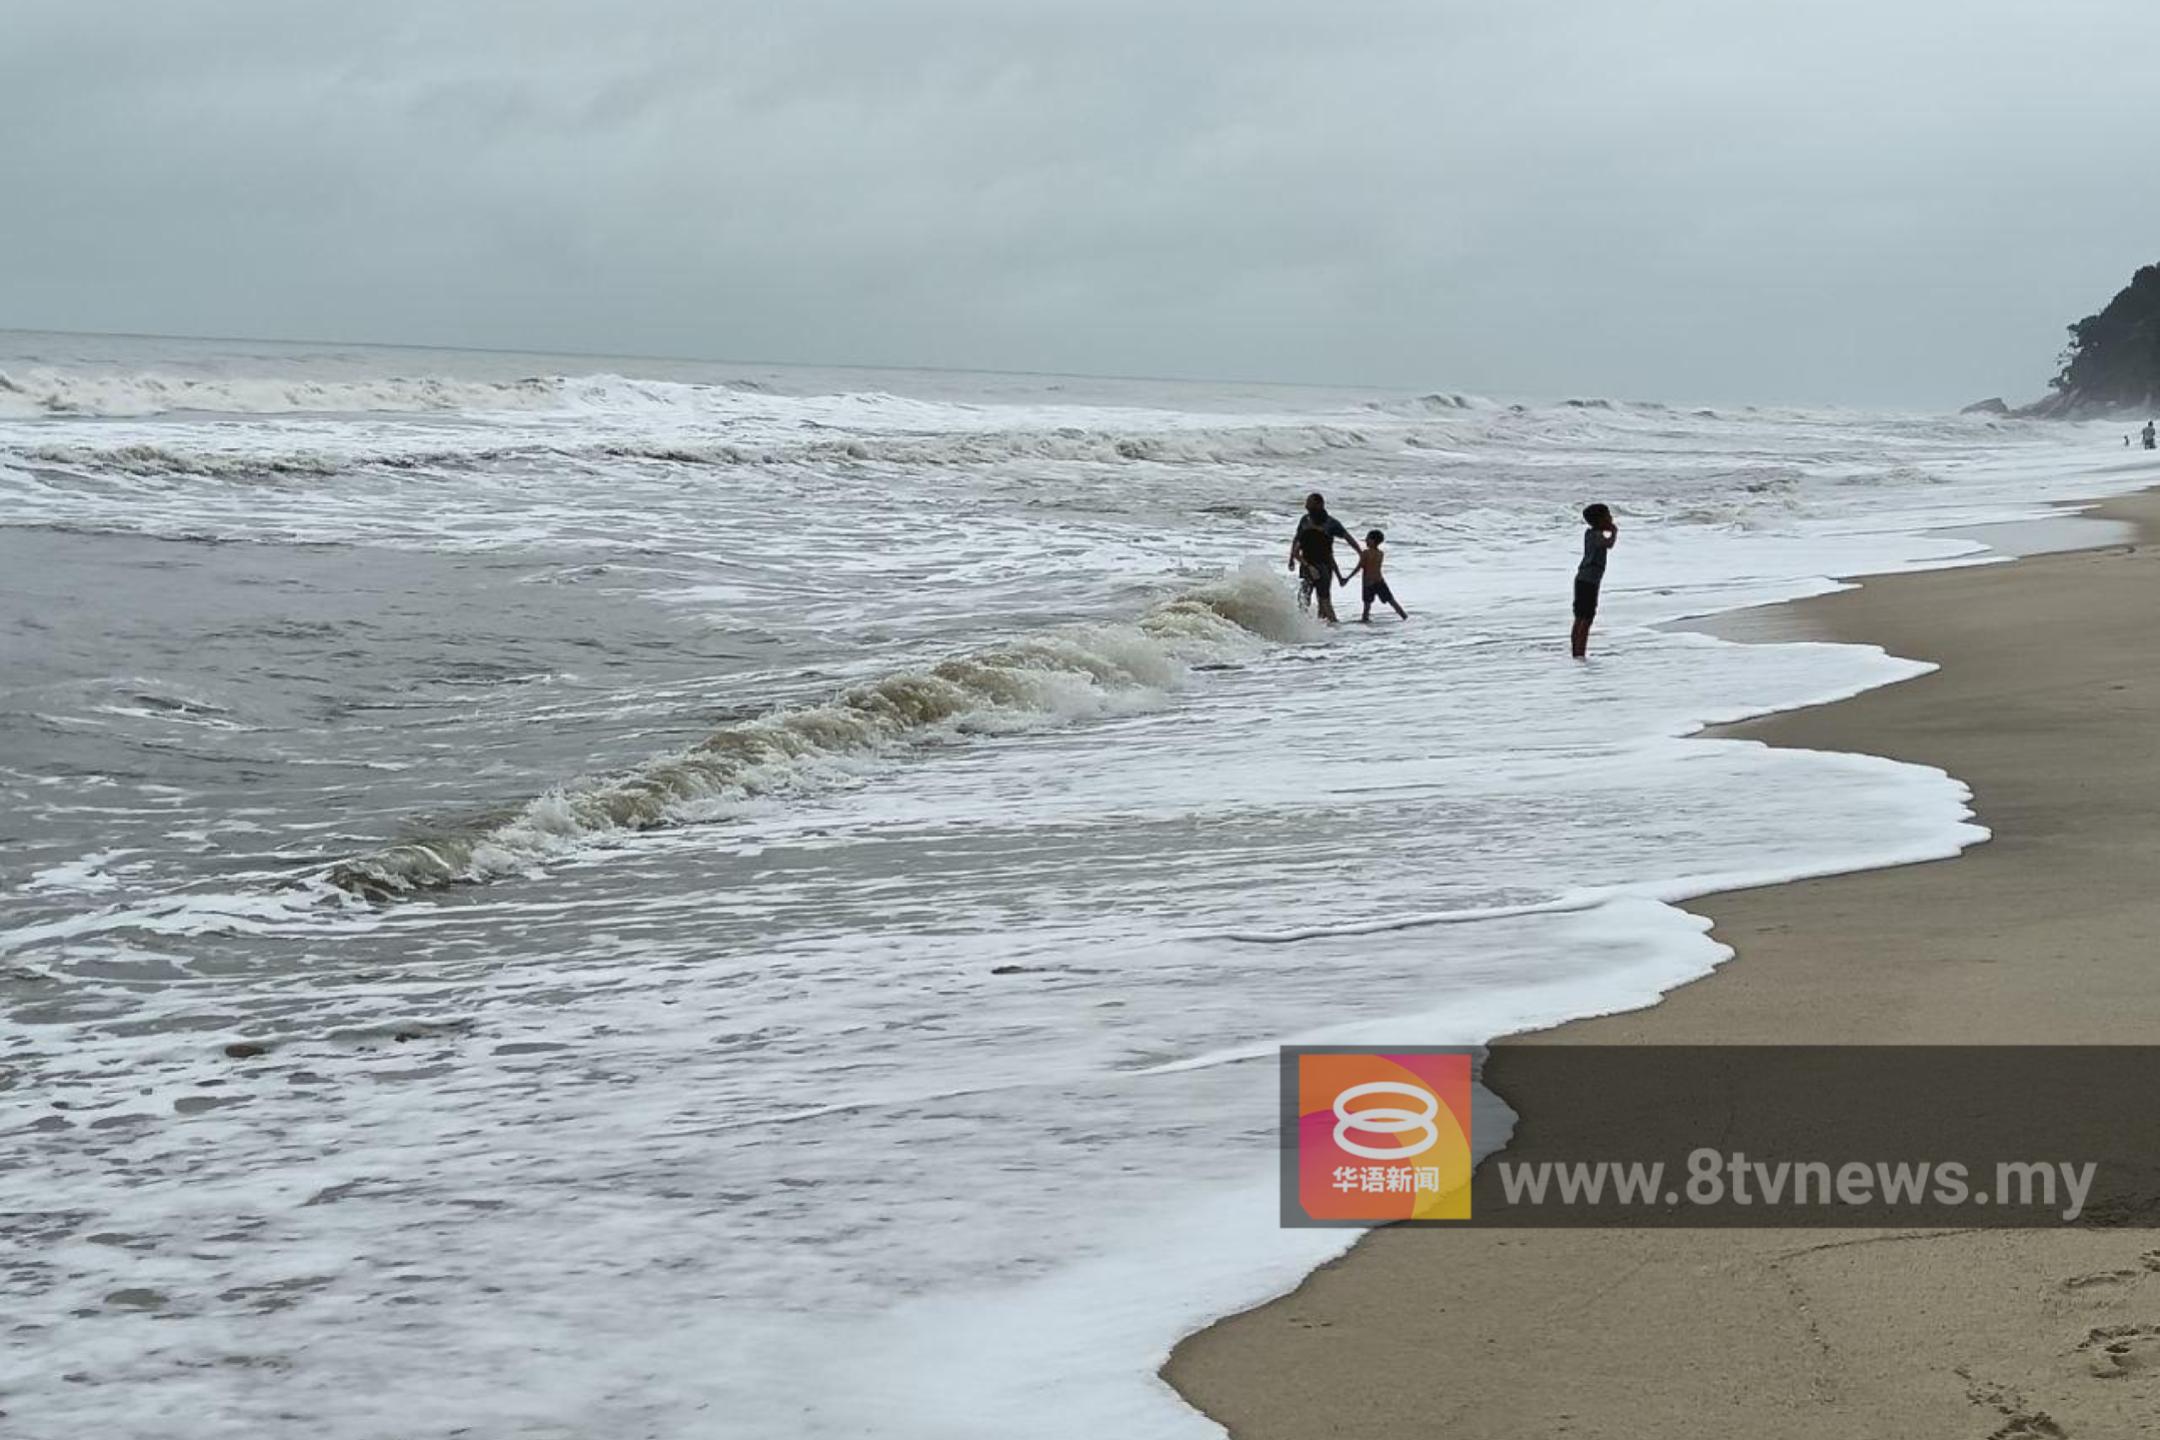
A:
2114,356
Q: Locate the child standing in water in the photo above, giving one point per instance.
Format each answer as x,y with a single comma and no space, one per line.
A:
1376,587
1600,536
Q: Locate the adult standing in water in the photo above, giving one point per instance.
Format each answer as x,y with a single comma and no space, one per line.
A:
1599,536
1312,550
2148,434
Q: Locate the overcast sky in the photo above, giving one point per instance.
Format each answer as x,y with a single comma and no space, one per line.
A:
1865,201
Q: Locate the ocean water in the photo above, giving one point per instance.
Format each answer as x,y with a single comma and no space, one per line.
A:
553,897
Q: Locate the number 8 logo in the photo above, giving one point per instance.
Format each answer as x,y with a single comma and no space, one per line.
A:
1386,1120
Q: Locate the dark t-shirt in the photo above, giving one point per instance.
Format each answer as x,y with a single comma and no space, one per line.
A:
1316,540
1592,569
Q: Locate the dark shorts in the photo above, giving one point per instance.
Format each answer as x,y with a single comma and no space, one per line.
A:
1586,599
1320,577
1377,590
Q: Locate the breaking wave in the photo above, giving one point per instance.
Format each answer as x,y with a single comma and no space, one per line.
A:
1439,403
144,458
1070,673
608,417
1247,445
1195,446
40,394
34,394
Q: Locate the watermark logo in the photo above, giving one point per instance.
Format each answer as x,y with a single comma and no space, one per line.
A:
1375,1136
1698,1136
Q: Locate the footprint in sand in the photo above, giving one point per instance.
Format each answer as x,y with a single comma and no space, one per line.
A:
2100,1277
2147,1263
2020,1420
2122,1352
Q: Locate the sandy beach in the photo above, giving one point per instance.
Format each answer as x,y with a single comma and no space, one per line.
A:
2046,702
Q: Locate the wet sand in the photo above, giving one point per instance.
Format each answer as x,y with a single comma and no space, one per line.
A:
2048,705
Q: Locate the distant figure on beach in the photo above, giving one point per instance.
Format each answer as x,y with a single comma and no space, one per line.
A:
1376,587
2148,432
1601,534
1312,553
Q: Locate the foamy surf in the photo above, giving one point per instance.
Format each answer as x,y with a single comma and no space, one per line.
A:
40,393
762,436
941,1072
1055,677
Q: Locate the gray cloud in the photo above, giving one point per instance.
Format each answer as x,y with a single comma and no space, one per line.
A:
1892,202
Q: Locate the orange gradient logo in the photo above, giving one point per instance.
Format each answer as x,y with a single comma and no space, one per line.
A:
1378,1135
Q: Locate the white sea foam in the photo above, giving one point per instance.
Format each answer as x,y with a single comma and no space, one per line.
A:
1054,677
892,1007
39,393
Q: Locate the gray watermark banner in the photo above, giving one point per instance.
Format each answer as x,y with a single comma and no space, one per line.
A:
1531,1134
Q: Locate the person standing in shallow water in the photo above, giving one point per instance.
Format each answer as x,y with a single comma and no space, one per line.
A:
1601,534
1312,551
1369,568
2148,432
